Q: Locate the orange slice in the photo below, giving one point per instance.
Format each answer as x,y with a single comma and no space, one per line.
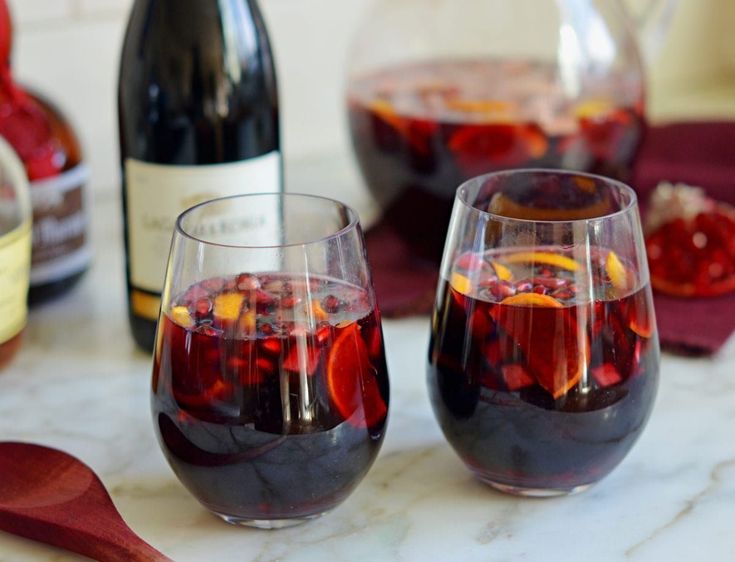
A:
318,311
546,258
351,379
503,273
180,315
461,284
387,113
616,271
553,351
481,106
532,299
593,108
227,306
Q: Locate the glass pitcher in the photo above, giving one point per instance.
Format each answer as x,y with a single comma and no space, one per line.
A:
440,91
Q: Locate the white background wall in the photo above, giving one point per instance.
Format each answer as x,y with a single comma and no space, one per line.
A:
69,49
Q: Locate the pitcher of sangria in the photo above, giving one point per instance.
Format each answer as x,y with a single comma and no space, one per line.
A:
440,91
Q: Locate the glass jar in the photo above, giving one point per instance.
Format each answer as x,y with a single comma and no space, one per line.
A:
444,90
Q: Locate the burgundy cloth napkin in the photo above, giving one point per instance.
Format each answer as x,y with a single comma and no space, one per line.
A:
701,154
698,153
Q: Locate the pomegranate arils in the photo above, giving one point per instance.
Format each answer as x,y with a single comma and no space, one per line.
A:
500,290
549,282
323,333
516,377
309,354
203,307
331,304
606,375
271,346
691,243
247,282
563,294
290,301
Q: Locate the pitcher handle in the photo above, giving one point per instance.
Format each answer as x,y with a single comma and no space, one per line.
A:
653,19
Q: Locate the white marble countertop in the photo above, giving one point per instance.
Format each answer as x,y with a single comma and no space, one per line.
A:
79,384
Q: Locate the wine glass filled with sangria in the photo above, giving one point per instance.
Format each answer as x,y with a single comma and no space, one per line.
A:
270,387
543,361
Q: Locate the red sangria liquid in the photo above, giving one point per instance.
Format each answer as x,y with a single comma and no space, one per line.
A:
270,393
539,388
420,130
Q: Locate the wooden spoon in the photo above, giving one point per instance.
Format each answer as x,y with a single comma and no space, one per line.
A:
49,496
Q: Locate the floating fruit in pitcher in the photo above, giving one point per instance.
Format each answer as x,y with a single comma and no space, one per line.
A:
690,243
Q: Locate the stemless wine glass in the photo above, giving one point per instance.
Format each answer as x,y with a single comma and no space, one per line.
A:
543,361
270,386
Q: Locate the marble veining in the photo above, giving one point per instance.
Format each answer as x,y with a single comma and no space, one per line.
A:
80,385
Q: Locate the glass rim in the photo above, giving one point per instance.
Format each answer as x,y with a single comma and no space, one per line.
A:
632,203
354,220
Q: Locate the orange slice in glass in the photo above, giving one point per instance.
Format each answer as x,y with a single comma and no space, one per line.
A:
461,284
546,258
616,271
532,299
227,306
351,379
503,273
180,315
555,353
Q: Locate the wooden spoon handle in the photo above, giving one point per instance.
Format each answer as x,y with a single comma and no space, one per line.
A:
118,545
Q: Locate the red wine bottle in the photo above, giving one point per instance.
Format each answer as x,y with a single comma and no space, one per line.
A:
198,118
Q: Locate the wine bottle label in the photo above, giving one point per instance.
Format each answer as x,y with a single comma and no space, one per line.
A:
60,224
156,195
15,262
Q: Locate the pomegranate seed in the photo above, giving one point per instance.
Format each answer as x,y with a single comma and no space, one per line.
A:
524,286
265,366
546,272
237,364
266,329
488,281
331,304
516,377
290,301
550,282
539,289
203,307
562,294
501,289
271,347
470,262
322,334
606,375
247,282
